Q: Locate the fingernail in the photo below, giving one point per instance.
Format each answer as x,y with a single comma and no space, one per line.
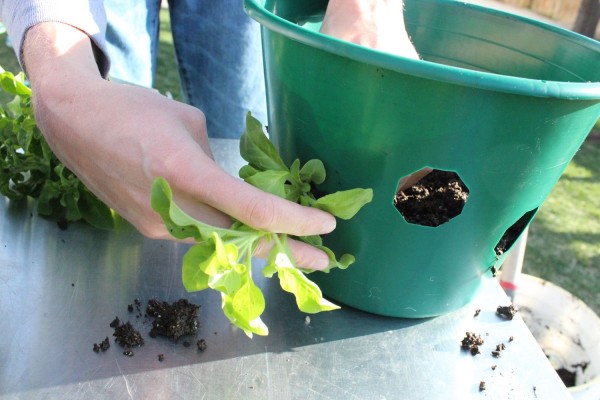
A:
329,224
321,262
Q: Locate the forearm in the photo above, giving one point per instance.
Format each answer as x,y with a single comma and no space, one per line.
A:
87,16
59,51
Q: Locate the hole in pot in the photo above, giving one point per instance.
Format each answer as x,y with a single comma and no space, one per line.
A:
431,197
512,234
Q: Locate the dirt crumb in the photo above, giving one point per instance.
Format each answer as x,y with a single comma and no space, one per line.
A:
127,336
102,346
506,312
471,342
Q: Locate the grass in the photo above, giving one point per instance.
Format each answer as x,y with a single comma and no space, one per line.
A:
564,237
167,77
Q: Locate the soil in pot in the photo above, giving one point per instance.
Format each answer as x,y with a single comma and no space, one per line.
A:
434,200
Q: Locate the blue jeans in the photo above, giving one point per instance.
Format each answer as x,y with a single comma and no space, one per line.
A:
218,53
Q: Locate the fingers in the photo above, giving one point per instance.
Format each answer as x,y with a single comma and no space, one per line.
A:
264,211
305,255
202,212
193,174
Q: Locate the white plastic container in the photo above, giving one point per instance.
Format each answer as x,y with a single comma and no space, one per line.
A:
567,330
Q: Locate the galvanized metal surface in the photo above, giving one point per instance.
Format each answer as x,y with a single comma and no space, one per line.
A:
59,291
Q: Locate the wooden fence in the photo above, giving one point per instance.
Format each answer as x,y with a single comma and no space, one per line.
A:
564,11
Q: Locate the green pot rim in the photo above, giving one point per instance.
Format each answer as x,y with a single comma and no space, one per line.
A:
435,71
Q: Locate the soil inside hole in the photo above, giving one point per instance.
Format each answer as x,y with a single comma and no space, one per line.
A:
512,234
434,200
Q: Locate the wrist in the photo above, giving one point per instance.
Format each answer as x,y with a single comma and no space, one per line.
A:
59,51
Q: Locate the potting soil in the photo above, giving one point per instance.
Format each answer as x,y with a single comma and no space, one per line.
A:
434,200
176,320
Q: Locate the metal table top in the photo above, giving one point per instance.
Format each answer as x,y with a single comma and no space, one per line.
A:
59,291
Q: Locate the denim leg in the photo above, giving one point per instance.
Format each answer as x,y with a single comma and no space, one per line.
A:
220,62
132,38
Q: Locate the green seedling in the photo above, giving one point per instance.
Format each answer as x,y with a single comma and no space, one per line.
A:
29,168
221,259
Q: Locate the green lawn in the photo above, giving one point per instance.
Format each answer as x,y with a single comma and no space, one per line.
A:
167,77
564,238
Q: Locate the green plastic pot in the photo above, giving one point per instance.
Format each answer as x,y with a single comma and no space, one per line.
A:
503,101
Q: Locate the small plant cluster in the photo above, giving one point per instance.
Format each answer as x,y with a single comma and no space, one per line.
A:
29,168
221,259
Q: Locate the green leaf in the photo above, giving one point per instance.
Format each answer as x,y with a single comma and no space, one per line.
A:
296,180
248,302
345,204
314,240
198,259
270,181
225,274
178,223
256,148
227,254
70,201
309,298
344,262
313,171
293,193
14,106
244,307
95,212
247,171
14,84
50,192
228,282
256,325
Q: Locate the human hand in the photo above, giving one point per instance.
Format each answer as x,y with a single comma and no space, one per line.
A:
378,24
118,138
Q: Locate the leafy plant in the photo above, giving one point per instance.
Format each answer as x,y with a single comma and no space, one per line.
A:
29,168
221,259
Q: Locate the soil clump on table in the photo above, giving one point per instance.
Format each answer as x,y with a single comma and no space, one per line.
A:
171,320
506,312
126,335
471,342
